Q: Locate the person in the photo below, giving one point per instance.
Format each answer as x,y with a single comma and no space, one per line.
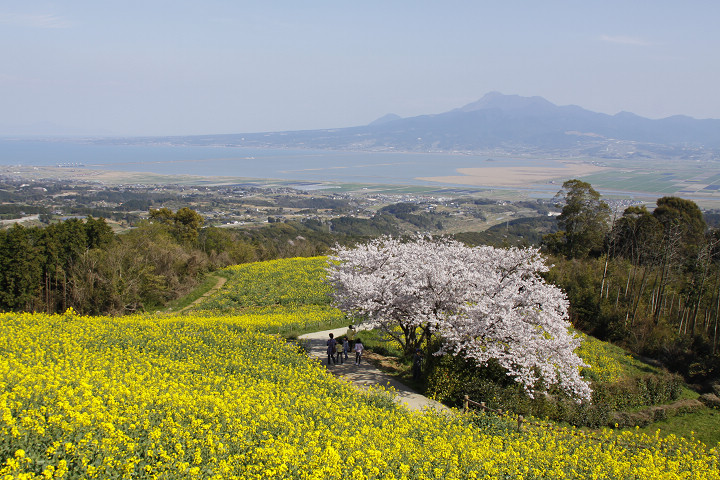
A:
350,334
339,352
331,349
346,347
417,365
358,351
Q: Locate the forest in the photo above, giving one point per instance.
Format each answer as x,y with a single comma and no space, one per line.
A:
649,281
83,264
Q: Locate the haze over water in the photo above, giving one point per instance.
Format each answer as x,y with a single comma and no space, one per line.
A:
287,164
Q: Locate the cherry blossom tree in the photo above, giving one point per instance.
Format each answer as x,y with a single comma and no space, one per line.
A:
482,303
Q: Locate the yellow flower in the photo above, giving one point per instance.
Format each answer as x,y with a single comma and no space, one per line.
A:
219,396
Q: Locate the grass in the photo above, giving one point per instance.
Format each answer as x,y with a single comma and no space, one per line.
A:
380,342
293,332
703,425
205,286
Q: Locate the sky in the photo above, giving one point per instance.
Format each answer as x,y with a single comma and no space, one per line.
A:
178,67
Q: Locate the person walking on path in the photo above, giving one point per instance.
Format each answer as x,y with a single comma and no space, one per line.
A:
417,365
339,352
346,347
358,351
331,349
368,375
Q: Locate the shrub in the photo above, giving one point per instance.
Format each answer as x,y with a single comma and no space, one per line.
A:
710,399
451,378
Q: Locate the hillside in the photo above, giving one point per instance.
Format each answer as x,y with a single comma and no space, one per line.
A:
626,387
218,395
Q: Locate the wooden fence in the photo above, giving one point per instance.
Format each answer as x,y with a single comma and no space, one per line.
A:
481,405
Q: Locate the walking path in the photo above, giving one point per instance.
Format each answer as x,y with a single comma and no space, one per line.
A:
220,282
365,375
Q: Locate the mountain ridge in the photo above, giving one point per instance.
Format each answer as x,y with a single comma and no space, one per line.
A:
499,123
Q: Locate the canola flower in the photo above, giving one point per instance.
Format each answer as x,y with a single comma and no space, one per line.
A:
205,397
286,282
276,295
218,396
602,367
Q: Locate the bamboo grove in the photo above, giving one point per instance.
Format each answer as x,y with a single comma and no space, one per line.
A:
649,280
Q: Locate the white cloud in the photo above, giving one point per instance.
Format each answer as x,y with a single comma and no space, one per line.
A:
625,40
33,20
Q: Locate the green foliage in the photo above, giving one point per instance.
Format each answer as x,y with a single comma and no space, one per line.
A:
37,263
637,235
520,232
581,282
14,210
99,233
619,383
20,268
83,264
656,294
639,391
184,224
380,224
223,247
584,220
400,208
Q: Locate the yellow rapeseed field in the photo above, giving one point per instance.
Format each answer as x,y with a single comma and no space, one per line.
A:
203,396
286,282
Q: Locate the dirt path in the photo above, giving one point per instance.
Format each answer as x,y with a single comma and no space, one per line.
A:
365,375
362,376
220,282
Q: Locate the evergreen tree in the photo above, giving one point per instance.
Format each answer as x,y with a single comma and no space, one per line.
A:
20,267
583,222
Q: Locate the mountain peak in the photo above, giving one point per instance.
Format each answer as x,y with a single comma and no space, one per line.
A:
390,117
496,100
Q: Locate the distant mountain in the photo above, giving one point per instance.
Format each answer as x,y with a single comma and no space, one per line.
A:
496,100
505,123
390,117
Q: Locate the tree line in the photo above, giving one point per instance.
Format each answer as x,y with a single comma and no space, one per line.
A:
649,280
83,264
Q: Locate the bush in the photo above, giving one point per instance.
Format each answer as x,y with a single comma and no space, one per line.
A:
650,415
711,400
637,391
450,379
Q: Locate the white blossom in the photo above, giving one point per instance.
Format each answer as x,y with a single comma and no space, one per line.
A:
484,303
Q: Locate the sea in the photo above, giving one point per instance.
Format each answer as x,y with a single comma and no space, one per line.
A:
256,163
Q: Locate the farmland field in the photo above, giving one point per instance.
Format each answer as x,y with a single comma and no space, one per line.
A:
698,181
214,394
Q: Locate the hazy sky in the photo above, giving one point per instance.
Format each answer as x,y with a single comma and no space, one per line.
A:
178,67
